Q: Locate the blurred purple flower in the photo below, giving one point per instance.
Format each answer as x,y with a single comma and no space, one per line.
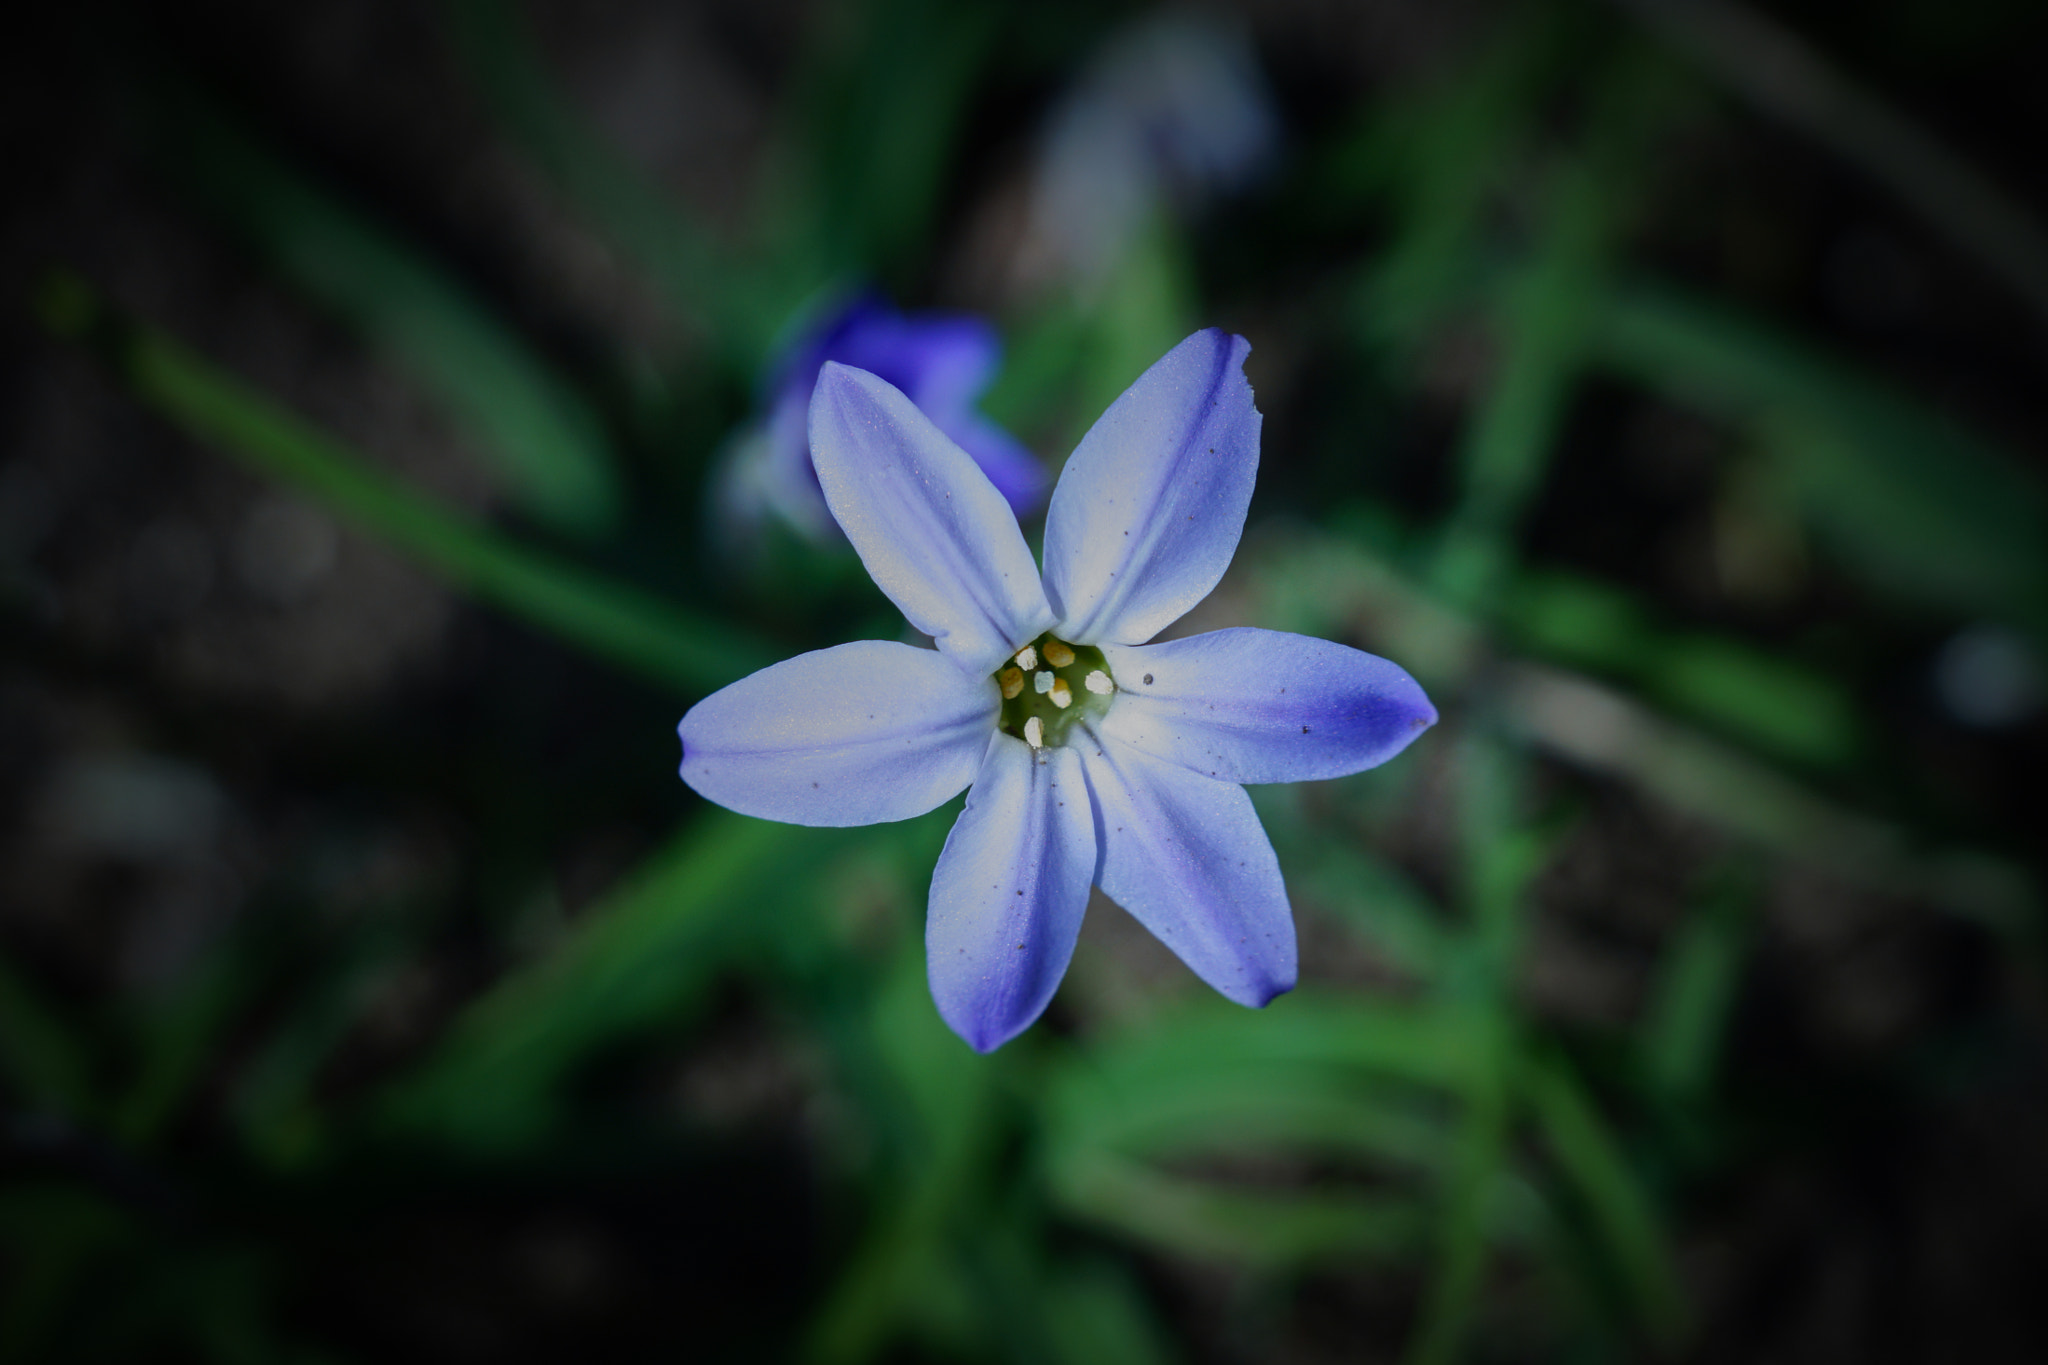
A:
941,361
1095,758
1171,112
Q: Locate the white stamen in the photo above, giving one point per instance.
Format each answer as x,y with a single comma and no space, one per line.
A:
1027,659
1034,733
1041,683
1057,654
1099,683
1062,695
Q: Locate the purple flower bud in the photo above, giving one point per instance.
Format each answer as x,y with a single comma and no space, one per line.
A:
940,361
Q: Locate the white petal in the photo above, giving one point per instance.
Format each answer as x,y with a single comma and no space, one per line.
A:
1009,891
933,532
1185,855
852,735
1149,509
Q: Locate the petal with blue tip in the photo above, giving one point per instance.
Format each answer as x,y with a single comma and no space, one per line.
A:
1263,706
1009,892
1185,855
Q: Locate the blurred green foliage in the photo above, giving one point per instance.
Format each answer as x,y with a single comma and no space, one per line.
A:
1431,1123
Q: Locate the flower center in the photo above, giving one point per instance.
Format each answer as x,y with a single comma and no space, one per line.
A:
1048,685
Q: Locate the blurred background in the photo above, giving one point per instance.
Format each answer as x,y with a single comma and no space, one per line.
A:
395,442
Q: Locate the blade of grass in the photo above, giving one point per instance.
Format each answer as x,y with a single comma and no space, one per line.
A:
938,1101
1542,319
1459,1223
1693,995
1776,705
1096,1313
739,307
1321,586
1268,1230
642,955
545,441
1621,1209
614,621
1449,151
1914,500
886,109
1500,855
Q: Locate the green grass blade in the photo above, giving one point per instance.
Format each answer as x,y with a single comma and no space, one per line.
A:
611,620
1477,1167
641,956
1775,705
1542,318
1271,1231
1694,993
544,440
1918,503
1369,895
1095,1313
741,309
1319,1077
1620,1208
886,113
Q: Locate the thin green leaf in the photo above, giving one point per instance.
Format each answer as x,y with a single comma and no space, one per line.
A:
936,1097
1687,1013
1542,317
1782,708
740,308
1364,892
543,438
612,620
176,1037
1621,1208
1449,150
1421,1045
1918,503
642,955
272,1100
887,112
1477,1166
1189,1217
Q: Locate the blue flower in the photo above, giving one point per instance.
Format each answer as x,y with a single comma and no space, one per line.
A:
940,361
1095,758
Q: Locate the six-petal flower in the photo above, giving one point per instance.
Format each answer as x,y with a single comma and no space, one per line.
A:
1094,757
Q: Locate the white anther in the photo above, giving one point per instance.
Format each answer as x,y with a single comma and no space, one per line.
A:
1062,695
1027,659
1041,683
1034,733
1099,683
